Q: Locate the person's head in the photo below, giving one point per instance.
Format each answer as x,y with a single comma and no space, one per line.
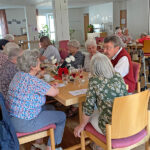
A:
125,31
117,28
118,32
3,42
45,42
144,34
91,46
29,61
100,65
9,46
14,53
73,46
112,44
9,37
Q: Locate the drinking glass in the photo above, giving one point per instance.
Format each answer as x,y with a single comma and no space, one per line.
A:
65,78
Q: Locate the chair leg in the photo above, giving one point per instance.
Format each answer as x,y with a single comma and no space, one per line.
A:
52,138
82,141
147,145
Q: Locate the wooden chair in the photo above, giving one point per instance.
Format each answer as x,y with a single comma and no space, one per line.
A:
41,133
99,42
63,48
130,125
136,71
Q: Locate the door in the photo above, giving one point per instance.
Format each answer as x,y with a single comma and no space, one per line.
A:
123,18
86,23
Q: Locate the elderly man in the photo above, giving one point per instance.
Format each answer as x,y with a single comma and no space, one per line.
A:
120,59
8,70
144,37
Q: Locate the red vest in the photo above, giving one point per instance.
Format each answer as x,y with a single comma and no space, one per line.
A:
129,78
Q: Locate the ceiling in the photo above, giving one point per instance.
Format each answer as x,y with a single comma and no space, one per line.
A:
48,3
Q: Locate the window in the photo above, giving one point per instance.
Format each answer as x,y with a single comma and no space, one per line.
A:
51,27
0,32
41,22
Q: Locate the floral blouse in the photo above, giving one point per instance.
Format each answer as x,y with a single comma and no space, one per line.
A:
101,92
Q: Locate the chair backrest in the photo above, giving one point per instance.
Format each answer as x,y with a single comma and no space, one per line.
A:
136,70
63,47
129,115
99,40
146,48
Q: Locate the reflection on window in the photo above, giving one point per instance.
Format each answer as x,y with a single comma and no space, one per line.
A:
41,22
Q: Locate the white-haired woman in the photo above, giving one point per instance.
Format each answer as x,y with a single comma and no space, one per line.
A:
27,96
9,37
104,85
91,47
73,47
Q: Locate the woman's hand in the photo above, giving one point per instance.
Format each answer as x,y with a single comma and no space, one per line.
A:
78,130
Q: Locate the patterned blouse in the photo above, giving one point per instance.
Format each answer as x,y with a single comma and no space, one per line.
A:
3,58
7,72
101,92
26,95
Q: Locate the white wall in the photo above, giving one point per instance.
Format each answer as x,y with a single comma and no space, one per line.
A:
137,17
102,13
117,6
13,15
44,12
76,22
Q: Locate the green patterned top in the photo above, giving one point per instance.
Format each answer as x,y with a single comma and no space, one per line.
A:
101,92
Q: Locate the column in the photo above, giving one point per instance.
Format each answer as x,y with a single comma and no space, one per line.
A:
60,10
31,23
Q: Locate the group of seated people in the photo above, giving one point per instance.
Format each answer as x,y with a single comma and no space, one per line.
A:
25,92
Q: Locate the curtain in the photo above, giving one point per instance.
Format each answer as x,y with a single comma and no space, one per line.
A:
3,22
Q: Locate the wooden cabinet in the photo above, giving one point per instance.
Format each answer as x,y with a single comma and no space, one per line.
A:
20,38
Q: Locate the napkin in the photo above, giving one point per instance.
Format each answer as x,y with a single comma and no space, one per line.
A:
78,92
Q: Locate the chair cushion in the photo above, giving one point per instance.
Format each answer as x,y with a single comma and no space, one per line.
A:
40,130
118,143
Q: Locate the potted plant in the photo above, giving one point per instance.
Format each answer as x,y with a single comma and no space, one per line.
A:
90,28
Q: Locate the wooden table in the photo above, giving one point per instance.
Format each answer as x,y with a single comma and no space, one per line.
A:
65,98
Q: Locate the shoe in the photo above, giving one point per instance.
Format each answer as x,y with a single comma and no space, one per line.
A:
40,146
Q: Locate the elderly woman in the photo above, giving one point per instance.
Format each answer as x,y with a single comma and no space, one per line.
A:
48,50
104,85
8,70
144,37
73,47
91,47
26,96
9,37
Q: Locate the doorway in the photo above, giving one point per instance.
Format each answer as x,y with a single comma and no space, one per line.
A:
123,18
86,23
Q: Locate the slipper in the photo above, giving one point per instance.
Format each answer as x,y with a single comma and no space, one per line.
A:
72,112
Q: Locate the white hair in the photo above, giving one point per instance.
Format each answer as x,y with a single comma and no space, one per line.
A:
9,46
28,59
9,37
74,43
90,42
101,66
14,52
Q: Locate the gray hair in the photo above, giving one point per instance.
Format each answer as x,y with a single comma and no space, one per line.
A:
14,52
9,46
28,59
74,43
101,66
9,37
116,40
90,42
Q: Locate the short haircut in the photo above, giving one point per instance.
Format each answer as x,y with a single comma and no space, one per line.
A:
9,37
14,52
116,40
90,42
74,43
28,59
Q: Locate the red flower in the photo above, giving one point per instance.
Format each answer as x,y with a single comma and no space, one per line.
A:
62,71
